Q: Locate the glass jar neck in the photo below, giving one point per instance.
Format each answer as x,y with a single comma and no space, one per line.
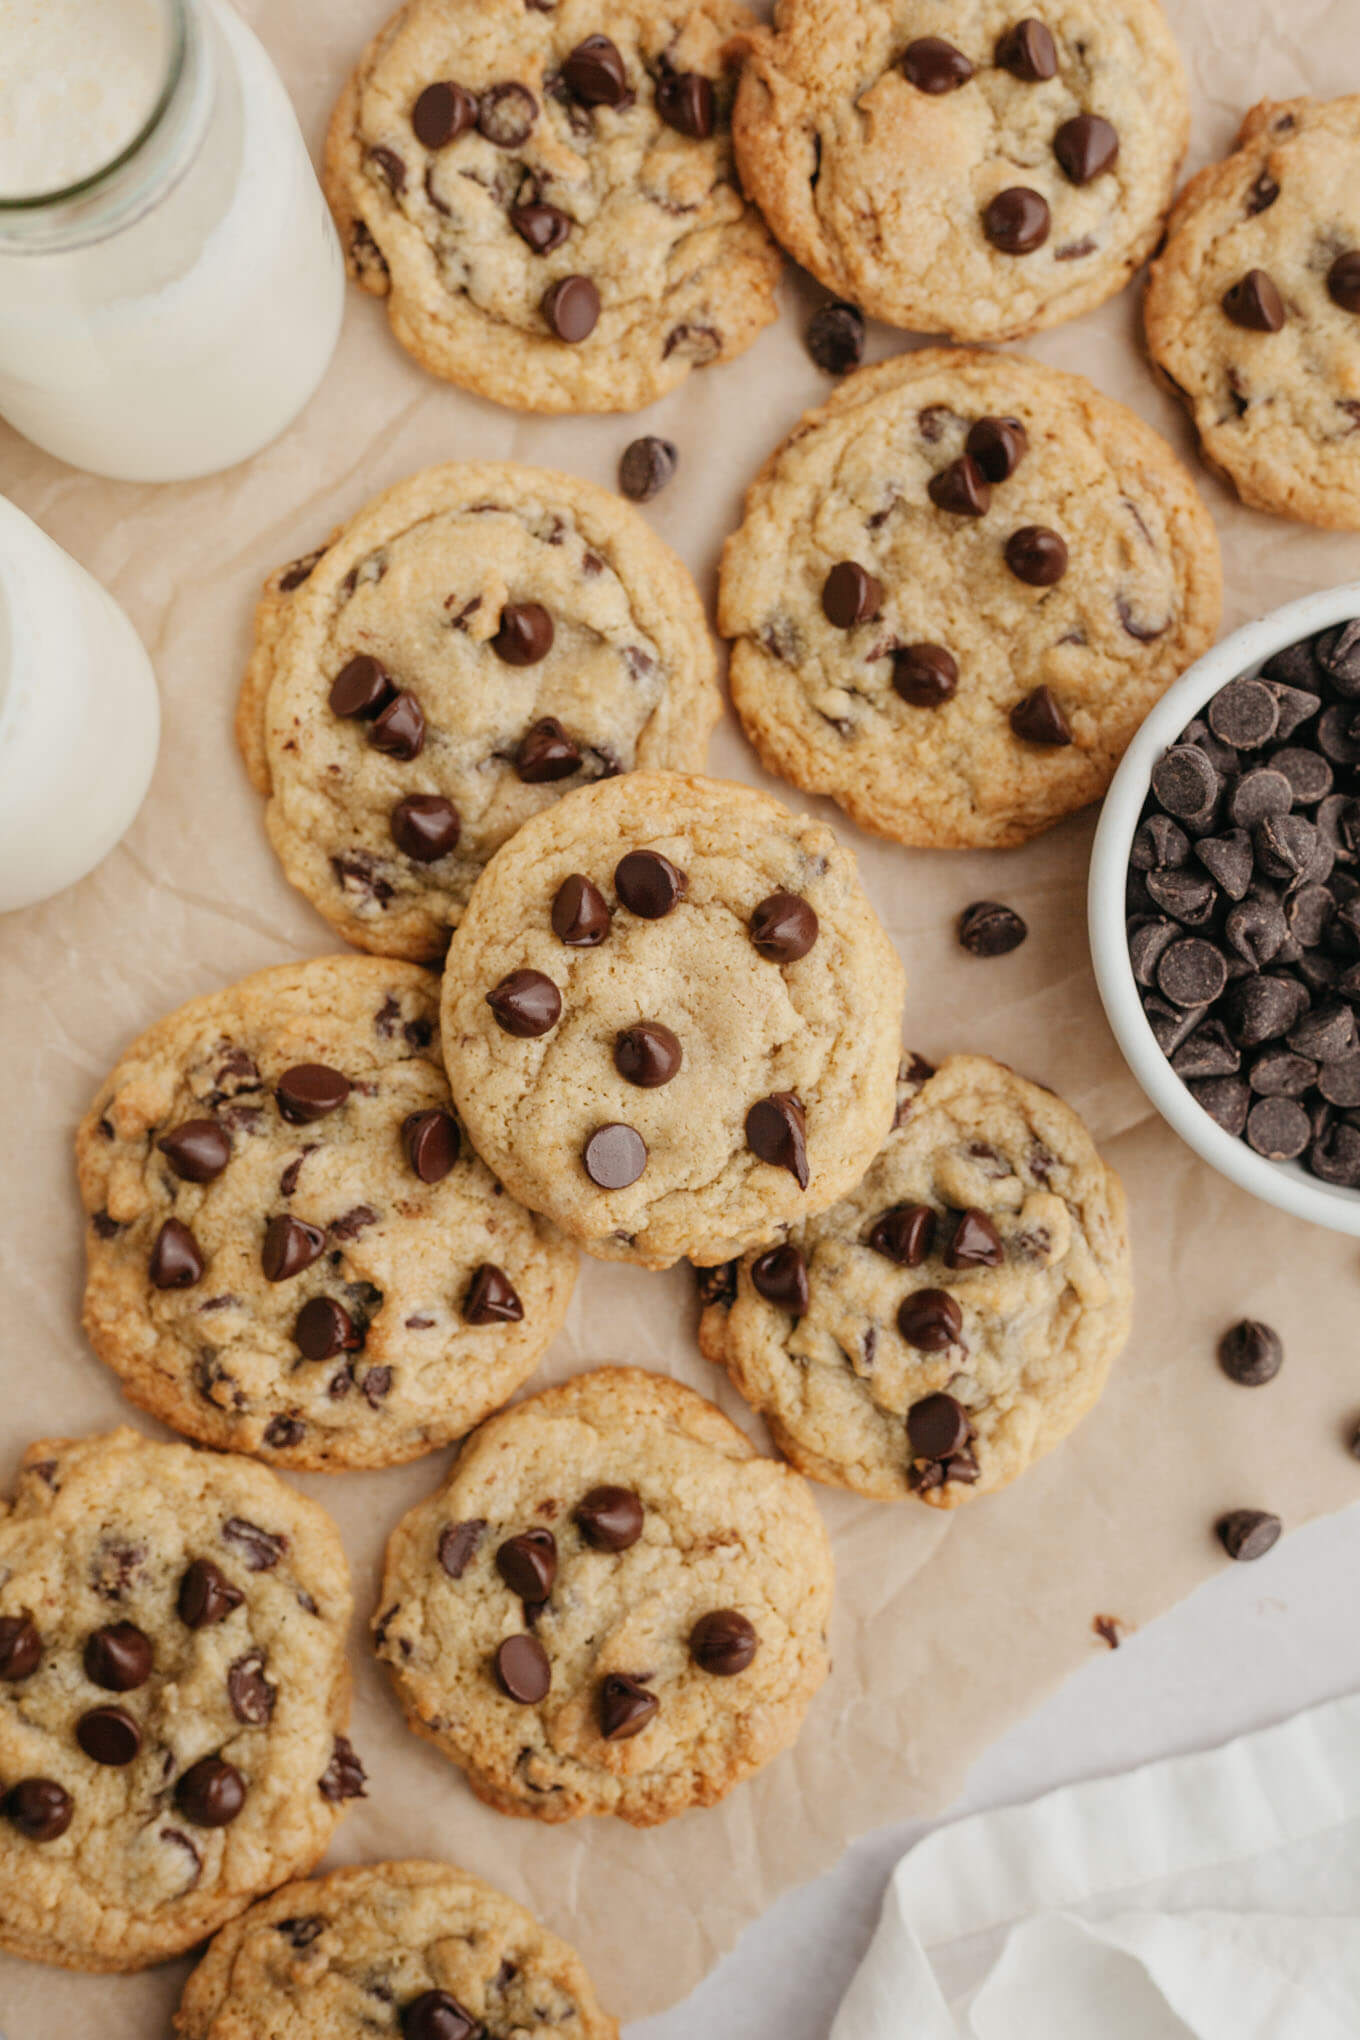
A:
143,172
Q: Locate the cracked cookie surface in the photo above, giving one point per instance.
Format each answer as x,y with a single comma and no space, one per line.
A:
671,1018
958,167
332,1957
1270,371
991,645
172,1684
547,199
476,640
938,1330
292,1248
616,1605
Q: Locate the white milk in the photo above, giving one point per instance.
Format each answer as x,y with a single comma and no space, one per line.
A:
79,719
78,83
174,318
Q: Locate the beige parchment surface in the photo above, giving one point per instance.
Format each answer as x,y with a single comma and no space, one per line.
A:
945,1630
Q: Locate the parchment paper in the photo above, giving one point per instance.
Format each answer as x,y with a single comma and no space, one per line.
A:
945,1629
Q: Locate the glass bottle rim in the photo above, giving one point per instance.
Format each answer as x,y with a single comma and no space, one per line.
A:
91,185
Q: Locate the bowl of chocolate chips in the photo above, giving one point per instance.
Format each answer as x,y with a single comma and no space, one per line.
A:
1224,908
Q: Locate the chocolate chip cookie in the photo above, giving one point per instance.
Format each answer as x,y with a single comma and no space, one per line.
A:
938,1330
292,1248
172,1687
959,587
671,1018
1253,310
476,641
957,166
547,199
417,1947
614,1606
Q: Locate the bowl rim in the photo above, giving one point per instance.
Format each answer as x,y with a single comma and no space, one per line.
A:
1286,1185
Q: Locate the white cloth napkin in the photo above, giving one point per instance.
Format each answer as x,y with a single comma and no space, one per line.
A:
1207,1898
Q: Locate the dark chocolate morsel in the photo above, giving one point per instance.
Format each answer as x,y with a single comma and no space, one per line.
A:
524,635
197,1150
523,1670
647,1054
648,884
528,1565
344,1776
1278,1128
361,688
1036,555
541,227
776,1132
425,827
580,915
930,1320
998,445
780,1275
938,1427
905,1234
1017,220
784,927
1343,281
686,102
1250,1353
442,112
323,1328
491,1298
434,2015
571,307
723,1643
290,1245
458,1543
310,1091
431,1141
20,1648
646,466
1254,303
119,1657
1039,719
506,115
1248,1533
933,65
925,675
961,488
594,73
526,1004
850,595
835,337
176,1262
398,731
610,1518
989,929
976,1243
1086,147
614,1156
109,1735
546,753
1028,52
211,1793
206,1595
39,1808
626,1707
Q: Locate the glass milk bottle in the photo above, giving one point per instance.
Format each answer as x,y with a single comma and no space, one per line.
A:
171,284
79,719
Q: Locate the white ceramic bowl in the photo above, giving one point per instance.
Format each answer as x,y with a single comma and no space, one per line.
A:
1285,1184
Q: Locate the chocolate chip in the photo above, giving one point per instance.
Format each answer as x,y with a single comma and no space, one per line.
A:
1254,303
442,113
431,1141
310,1091
1086,147
997,445
541,227
283,1433
580,917
1171,1025
344,1776
546,753
1310,776
250,1693
776,1132
39,1808
646,466
614,1156
961,488
1245,714
1208,1052
525,635
261,1549
109,1735
1296,706
1226,1100
1228,860
781,1277
323,1328
930,1320
1148,941
685,101
937,1427
850,596
1339,1083
1028,52
1337,652
458,1544
526,1004
925,675
206,1596
648,884
361,688
1262,195
571,307
1248,1533
1329,1034
1343,281
399,731
1036,556
176,1262
835,338
523,1670
119,1658
989,929
610,1518
723,1643
197,1150
1279,1073
1039,719
1186,784
1278,1128
1264,1008
506,115
626,1707
647,1054
594,73
290,1245
20,1647
1017,221
425,827
783,927
935,66
1334,1156
434,2015
528,1565
1192,972
390,168
904,1234
1250,1353
976,1243
491,1298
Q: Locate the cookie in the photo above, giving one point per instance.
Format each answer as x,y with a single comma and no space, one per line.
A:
616,1605
953,1318
417,1947
671,1018
473,643
955,167
959,587
546,196
1253,310
172,1687
292,1248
